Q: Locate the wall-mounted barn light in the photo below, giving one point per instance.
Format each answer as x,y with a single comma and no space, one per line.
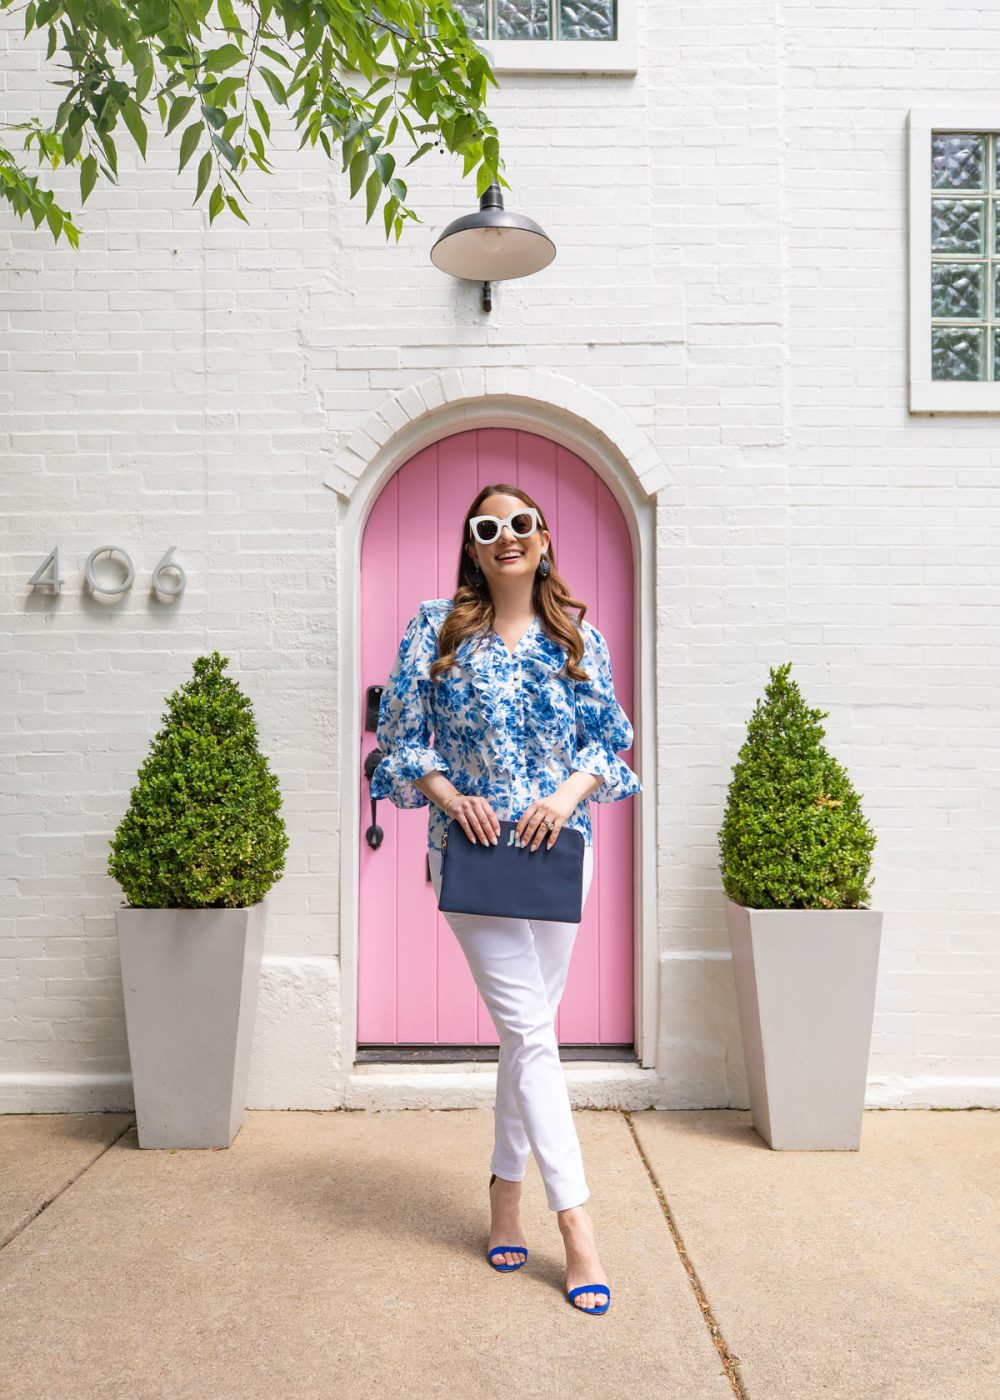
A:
492,245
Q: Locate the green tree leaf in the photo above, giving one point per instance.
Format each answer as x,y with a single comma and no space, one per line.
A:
218,60
189,143
358,167
204,171
88,175
373,190
132,117
274,83
262,116
178,111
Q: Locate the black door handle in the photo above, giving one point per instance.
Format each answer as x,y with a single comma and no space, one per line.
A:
374,833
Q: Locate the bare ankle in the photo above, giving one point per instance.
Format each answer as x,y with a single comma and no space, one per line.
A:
573,1218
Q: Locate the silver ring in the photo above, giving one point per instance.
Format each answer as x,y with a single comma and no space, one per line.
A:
549,823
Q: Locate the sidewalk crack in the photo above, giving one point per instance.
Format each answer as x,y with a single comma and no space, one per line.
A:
20,1226
730,1362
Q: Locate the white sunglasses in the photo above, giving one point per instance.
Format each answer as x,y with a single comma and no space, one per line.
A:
487,528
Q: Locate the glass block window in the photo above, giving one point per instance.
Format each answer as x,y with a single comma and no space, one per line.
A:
540,19
965,256
953,256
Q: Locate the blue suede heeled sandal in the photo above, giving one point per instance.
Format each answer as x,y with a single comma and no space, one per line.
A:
572,1293
507,1249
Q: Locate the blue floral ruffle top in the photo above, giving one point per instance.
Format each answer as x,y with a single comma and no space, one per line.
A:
506,726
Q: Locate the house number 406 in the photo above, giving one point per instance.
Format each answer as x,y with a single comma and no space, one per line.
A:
164,586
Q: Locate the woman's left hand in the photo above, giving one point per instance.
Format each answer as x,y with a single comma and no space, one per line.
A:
531,826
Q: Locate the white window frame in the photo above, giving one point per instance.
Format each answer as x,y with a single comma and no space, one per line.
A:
619,55
599,56
929,395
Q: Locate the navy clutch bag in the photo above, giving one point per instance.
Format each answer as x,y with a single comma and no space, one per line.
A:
512,881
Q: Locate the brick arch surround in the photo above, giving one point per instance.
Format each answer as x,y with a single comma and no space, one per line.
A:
533,395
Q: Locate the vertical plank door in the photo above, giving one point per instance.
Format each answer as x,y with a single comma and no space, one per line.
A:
414,985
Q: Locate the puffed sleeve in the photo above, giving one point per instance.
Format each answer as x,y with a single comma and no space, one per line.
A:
602,726
405,719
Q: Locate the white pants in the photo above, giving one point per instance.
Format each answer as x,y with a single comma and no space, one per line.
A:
520,967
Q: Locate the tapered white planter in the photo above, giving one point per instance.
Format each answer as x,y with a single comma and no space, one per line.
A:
190,979
805,988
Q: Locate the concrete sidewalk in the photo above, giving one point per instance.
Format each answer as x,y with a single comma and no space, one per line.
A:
343,1255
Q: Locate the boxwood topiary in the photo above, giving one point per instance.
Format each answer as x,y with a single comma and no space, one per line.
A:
203,830
793,835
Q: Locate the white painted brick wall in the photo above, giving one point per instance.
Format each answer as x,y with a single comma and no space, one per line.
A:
732,274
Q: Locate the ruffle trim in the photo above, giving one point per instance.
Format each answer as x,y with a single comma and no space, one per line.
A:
394,776
619,779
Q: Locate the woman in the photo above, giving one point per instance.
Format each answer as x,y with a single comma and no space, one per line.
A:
520,699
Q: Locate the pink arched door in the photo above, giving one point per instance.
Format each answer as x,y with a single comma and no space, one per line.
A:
414,985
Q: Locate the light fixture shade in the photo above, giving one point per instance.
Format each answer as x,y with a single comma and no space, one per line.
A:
493,245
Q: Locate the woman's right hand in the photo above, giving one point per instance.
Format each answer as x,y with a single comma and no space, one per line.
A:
476,818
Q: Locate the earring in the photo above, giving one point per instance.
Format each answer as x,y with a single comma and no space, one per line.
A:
544,568
478,577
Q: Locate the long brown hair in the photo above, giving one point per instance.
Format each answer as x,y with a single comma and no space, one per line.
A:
472,606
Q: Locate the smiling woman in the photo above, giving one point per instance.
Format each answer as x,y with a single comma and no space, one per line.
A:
521,704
